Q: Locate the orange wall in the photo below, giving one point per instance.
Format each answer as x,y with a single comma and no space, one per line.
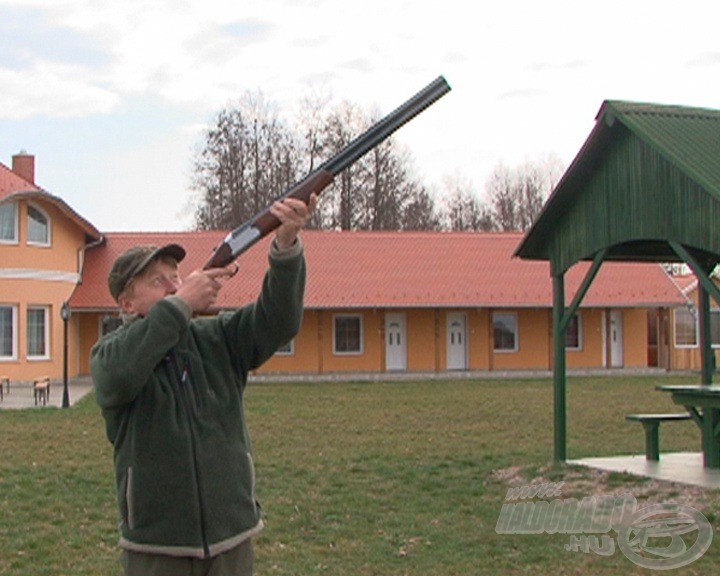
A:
44,286
423,353
690,358
635,338
592,352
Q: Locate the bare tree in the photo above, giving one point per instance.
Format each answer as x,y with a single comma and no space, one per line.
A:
421,212
463,209
248,159
516,196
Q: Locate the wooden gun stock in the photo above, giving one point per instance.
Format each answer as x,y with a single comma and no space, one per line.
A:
250,232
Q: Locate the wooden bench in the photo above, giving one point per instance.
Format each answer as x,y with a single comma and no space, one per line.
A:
41,390
651,424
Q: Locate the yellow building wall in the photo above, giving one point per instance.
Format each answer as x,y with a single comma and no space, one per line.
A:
689,358
422,340
534,348
635,338
592,352
426,349
41,276
480,339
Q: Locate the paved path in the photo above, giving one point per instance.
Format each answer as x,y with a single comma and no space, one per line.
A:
21,395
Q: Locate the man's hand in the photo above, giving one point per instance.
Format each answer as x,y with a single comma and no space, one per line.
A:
200,289
293,215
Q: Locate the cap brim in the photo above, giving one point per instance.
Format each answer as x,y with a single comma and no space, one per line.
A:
174,251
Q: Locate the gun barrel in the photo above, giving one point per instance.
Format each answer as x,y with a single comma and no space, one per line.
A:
385,127
248,233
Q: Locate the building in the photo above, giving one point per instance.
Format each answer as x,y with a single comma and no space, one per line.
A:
375,302
43,242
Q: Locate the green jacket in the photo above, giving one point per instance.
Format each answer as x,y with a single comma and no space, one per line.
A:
171,392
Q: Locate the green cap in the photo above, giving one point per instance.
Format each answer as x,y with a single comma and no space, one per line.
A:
132,262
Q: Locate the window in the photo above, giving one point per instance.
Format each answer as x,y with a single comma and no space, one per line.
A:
505,336
8,332
38,231
37,332
8,222
715,327
287,350
686,331
347,334
573,333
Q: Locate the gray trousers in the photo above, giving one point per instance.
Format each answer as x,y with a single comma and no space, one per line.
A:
235,562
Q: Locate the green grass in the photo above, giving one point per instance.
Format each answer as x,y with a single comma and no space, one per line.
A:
359,478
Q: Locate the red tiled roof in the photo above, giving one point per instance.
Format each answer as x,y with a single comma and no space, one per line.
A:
399,270
11,182
12,185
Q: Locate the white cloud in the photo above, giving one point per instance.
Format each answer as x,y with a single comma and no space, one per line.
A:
527,76
51,89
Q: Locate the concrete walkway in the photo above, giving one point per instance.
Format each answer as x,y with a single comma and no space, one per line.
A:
21,394
683,467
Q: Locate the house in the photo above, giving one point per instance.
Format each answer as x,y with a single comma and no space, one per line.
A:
375,301
42,249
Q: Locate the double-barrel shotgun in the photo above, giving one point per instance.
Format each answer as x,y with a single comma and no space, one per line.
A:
248,233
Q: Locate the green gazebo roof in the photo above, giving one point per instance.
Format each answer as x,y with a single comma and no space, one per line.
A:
648,174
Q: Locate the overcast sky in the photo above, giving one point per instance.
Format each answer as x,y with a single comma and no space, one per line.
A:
111,96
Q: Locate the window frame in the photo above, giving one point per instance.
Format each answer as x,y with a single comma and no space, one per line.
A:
30,333
13,333
693,314
515,331
361,347
715,327
16,237
287,350
48,226
577,318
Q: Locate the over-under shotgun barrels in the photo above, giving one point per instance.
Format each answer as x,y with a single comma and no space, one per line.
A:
248,233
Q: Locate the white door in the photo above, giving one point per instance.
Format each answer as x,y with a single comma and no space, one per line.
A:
456,341
395,342
616,339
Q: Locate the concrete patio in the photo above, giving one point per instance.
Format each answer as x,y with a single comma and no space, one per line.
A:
682,467
21,394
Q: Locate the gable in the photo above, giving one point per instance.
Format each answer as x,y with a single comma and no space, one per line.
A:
646,174
11,182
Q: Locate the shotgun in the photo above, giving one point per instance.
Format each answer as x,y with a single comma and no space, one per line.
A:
248,233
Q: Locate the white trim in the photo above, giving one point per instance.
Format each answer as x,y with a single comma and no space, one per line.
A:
516,334
37,274
13,357
16,232
45,309
361,335
579,347
48,226
290,349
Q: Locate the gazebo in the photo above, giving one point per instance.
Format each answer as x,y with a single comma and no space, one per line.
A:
645,186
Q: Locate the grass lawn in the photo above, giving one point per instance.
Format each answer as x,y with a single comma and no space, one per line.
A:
403,478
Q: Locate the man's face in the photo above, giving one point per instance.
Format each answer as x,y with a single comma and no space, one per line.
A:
159,279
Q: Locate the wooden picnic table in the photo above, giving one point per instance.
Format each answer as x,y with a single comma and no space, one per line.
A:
702,401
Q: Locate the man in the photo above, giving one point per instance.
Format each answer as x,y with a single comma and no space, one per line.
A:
171,385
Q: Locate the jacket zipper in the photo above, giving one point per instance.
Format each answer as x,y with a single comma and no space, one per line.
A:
181,381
